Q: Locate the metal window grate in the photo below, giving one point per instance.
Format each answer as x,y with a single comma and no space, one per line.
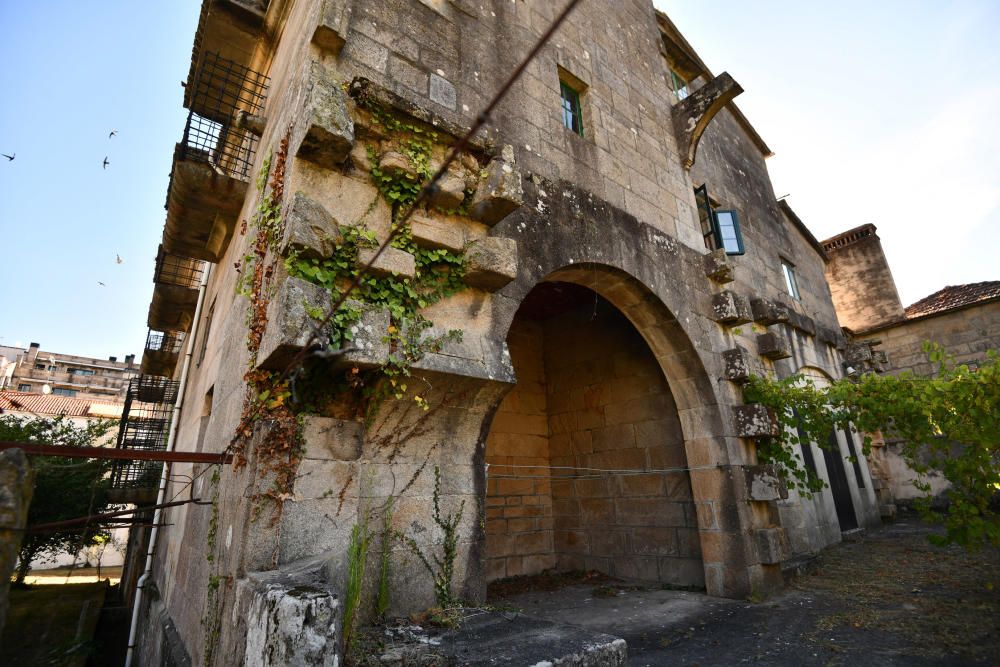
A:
145,425
222,88
169,342
177,270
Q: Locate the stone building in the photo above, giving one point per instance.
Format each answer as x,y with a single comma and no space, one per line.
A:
625,267
69,375
963,319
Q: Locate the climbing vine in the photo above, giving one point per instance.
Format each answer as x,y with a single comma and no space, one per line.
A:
948,422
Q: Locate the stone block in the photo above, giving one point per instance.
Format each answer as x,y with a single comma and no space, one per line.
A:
828,335
802,322
767,311
436,233
443,92
324,131
719,267
310,230
391,262
730,308
773,346
449,192
289,324
491,263
328,438
754,421
765,483
397,165
499,192
772,545
332,24
368,344
736,365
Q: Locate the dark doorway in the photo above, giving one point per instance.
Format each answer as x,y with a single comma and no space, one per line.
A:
838,484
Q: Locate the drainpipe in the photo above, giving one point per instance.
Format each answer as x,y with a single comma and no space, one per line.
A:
165,475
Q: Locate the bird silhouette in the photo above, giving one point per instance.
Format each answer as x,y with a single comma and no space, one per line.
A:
118,259
112,133
101,284
9,157
106,162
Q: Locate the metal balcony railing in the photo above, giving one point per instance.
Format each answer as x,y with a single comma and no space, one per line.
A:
167,342
145,426
222,88
176,270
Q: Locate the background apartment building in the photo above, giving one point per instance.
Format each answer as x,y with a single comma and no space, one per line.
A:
72,376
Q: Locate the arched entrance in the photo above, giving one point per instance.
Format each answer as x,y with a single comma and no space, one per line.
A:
587,463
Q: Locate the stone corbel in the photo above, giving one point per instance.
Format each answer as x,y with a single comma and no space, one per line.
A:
693,114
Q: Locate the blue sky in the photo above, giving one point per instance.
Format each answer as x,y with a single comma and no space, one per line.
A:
882,112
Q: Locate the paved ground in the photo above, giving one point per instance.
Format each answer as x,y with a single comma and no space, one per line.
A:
886,598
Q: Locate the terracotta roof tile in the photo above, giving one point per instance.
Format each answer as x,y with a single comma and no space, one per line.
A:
954,296
47,404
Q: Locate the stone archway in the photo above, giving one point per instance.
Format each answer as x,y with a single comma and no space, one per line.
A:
586,455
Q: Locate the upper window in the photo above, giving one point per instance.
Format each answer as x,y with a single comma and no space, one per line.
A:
81,371
572,117
679,84
40,366
720,228
24,387
64,392
791,283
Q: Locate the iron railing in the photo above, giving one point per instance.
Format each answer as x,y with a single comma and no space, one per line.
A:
145,425
167,342
177,270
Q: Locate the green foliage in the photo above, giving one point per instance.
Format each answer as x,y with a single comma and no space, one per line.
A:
65,488
949,422
385,554
357,559
441,568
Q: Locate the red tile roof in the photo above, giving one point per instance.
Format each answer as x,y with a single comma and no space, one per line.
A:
47,404
954,296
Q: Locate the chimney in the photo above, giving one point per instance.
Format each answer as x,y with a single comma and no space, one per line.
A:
32,354
864,293
112,359
129,359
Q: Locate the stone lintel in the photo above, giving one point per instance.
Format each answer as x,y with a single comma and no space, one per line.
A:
731,308
491,263
754,421
693,114
324,130
719,267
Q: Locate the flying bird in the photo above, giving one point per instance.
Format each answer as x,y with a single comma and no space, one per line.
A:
118,259
101,284
106,162
9,157
112,133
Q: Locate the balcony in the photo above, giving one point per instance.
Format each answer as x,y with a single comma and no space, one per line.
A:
175,295
213,161
163,350
145,426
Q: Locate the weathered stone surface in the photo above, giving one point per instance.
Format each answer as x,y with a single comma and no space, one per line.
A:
754,421
450,191
773,346
435,233
768,311
253,123
719,267
737,364
500,192
368,345
731,308
397,164
693,114
325,129
802,322
765,483
17,483
329,438
491,263
332,25
772,545
289,324
391,262
442,91
292,619
310,230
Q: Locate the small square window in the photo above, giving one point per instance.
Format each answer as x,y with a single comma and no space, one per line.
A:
40,367
719,227
24,387
791,284
679,84
64,392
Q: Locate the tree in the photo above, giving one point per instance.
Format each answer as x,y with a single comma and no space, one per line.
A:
65,488
958,405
